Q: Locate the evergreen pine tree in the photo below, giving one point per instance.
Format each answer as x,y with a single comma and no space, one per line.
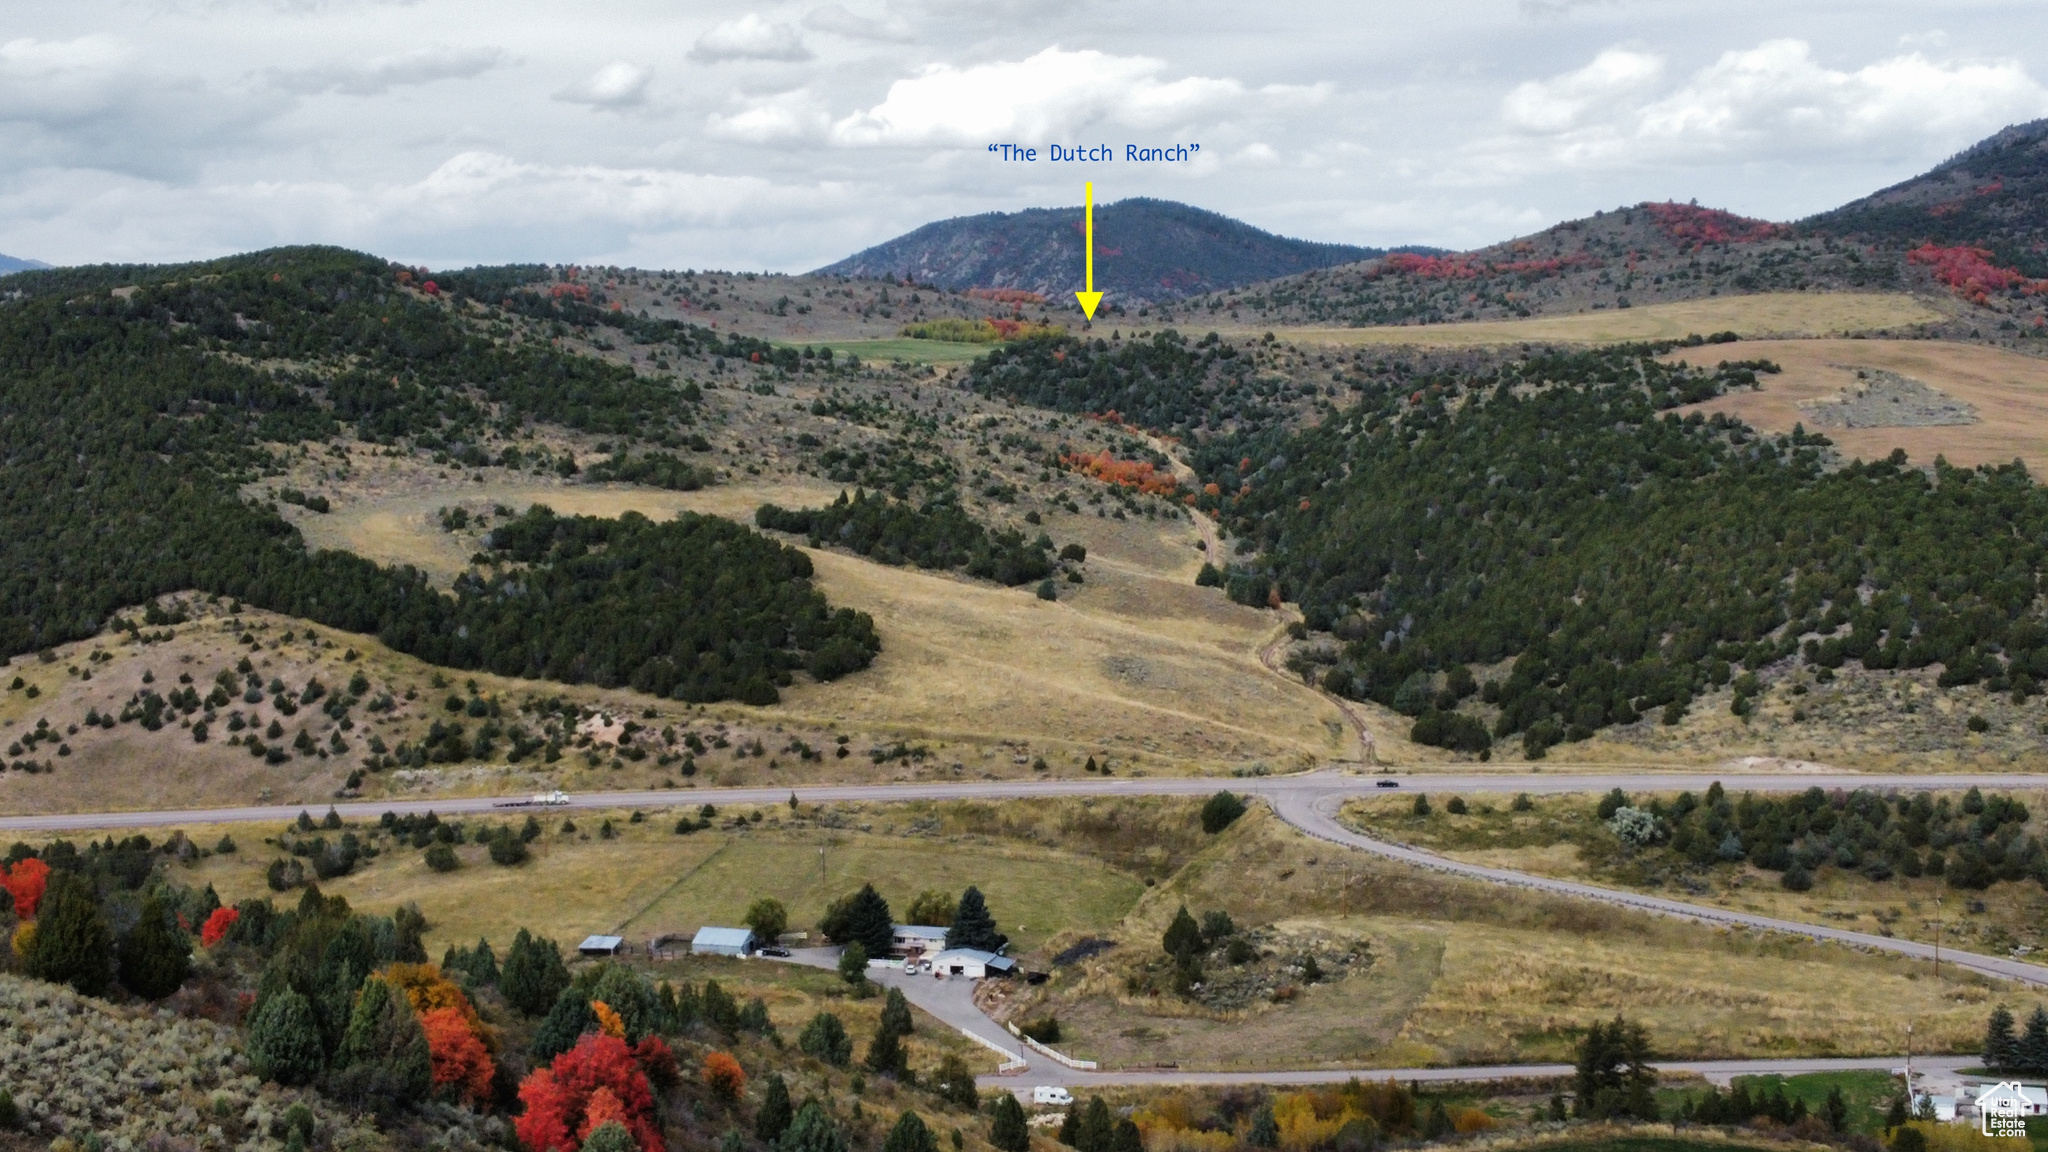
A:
1070,1127
910,1135
483,964
284,1040
2033,1044
896,1013
869,923
157,956
73,944
825,1039
1183,937
2001,1046
533,976
1438,1123
886,1056
384,1060
775,1113
954,1083
1010,1131
1098,1127
1265,1130
567,1021
1127,1137
973,925
812,1131
1835,1110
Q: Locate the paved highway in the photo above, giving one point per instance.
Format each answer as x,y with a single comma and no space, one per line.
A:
1308,801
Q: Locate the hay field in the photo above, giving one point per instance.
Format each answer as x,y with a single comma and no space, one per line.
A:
2009,391
1136,660
1464,973
1764,314
648,881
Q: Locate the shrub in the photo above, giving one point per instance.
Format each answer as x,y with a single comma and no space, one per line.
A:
25,881
507,849
1796,879
442,858
1221,812
10,1112
853,963
910,1135
723,1076
557,1098
1636,826
1456,806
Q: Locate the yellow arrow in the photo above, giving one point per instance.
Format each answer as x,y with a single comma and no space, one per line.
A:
1091,298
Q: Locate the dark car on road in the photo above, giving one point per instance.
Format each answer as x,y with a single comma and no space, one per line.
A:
1387,784
776,951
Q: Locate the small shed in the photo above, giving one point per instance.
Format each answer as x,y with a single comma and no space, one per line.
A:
908,940
722,942
972,963
602,945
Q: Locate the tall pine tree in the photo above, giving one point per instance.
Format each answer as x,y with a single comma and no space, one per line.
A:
533,975
1010,1131
775,1113
2033,1045
869,923
973,926
2001,1046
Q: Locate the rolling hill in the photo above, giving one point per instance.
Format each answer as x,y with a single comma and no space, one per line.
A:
1147,251
1992,195
17,264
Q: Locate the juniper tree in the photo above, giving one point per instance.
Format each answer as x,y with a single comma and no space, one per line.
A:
825,1038
284,1040
774,1116
157,955
73,943
896,1013
910,1135
533,975
1009,1131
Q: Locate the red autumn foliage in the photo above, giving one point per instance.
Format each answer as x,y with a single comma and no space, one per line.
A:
724,1076
216,927
1139,474
1691,226
1969,272
575,291
1005,295
431,288
558,1097
26,880
459,1057
658,1062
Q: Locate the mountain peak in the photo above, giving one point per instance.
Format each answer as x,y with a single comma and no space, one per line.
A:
1146,251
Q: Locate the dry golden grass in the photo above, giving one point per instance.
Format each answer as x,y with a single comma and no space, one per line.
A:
1137,661
2009,391
1765,314
1469,973
1546,839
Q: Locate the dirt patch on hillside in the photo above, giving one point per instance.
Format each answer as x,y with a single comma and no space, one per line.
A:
2006,392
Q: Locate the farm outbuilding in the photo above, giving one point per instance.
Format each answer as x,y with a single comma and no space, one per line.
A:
972,963
602,945
723,942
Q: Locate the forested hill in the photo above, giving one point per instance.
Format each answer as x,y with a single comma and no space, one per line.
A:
1551,509
1146,251
135,401
1993,195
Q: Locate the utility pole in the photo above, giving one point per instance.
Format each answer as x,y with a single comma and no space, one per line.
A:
1937,939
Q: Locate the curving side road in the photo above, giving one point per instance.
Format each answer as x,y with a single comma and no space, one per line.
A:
1317,816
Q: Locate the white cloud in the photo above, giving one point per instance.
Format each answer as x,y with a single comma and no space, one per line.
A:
751,38
1559,103
616,85
839,20
380,75
1046,97
786,116
1773,102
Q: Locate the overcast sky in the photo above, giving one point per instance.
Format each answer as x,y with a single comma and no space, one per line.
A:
687,133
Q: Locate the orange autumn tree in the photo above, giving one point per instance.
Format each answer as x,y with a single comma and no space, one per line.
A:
608,1021
459,1059
724,1076
1139,474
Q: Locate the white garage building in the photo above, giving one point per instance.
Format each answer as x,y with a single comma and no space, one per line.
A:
971,963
